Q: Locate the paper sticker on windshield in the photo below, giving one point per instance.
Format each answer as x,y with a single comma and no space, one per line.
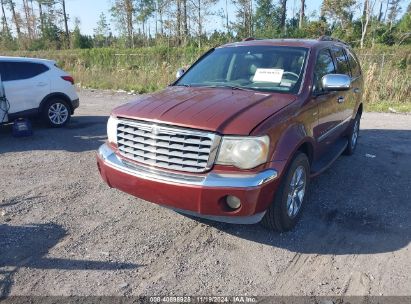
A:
268,75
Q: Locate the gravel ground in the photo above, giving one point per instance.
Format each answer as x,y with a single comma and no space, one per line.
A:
64,232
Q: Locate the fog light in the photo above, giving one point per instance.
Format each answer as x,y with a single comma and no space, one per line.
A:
233,202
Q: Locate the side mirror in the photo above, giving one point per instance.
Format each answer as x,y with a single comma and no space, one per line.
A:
2,92
180,72
336,82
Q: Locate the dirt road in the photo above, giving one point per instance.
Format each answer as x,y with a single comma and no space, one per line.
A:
64,232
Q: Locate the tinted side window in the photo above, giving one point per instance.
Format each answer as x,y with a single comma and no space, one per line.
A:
323,66
2,71
342,62
355,67
22,70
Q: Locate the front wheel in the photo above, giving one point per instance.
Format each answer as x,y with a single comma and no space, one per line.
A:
285,210
57,113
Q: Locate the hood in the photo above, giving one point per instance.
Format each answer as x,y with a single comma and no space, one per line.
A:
221,110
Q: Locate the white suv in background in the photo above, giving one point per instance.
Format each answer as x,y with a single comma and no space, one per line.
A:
37,87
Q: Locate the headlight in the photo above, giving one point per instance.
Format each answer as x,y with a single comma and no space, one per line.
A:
243,152
112,130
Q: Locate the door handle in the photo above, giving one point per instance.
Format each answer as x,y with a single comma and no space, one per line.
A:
340,99
357,90
42,84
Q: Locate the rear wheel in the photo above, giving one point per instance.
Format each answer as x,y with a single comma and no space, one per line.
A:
285,210
353,136
56,113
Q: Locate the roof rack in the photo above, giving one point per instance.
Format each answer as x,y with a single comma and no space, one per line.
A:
251,39
329,38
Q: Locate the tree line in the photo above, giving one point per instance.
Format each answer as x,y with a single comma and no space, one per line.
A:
44,24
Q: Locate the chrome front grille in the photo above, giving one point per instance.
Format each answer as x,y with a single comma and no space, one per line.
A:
166,146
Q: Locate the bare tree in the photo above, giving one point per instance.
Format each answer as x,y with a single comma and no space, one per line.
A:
283,13
367,11
129,8
244,12
226,16
340,11
66,30
393,11
41,16
16,17
178,22
123,11
5,24
380,12
27,15
201,9
302,14
185,21
161,7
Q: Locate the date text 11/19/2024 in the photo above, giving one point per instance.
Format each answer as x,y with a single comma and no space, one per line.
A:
202,299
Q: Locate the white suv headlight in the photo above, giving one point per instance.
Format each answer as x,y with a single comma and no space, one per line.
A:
112,129
243,152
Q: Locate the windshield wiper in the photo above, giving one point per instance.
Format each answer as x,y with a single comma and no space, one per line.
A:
215,86
234,87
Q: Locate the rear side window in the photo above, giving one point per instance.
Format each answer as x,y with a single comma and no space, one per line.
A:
2,70
323,66
11,70
354,65
341,60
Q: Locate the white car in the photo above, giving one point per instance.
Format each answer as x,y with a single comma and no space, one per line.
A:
36,87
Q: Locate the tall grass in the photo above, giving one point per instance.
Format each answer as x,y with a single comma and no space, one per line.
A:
386,70
387,78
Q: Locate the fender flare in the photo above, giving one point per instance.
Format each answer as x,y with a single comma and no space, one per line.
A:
55,95
294,138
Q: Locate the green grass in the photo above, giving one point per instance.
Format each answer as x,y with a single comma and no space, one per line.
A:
386,70
386,106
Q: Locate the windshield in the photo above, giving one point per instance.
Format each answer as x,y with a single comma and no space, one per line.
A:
265,68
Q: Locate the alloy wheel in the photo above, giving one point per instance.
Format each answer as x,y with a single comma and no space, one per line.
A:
58,113
296,191
355,133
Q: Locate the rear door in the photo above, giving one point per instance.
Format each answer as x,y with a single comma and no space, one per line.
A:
25,84
356,80
346,99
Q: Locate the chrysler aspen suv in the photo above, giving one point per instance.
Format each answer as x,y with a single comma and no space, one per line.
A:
238,136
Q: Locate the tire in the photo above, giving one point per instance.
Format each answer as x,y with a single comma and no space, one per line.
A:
279,217
56,113
353,135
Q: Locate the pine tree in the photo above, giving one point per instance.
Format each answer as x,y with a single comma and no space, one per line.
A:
266,18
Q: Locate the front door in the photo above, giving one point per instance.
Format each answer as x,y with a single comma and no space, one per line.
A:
330,104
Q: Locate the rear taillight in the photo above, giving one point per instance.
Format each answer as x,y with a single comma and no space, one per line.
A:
68,78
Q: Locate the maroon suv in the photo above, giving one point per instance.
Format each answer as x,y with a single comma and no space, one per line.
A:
239,135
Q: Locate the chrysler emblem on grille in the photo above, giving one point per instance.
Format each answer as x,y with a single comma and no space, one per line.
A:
155,130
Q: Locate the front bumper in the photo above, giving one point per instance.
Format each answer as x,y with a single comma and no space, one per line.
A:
194,194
